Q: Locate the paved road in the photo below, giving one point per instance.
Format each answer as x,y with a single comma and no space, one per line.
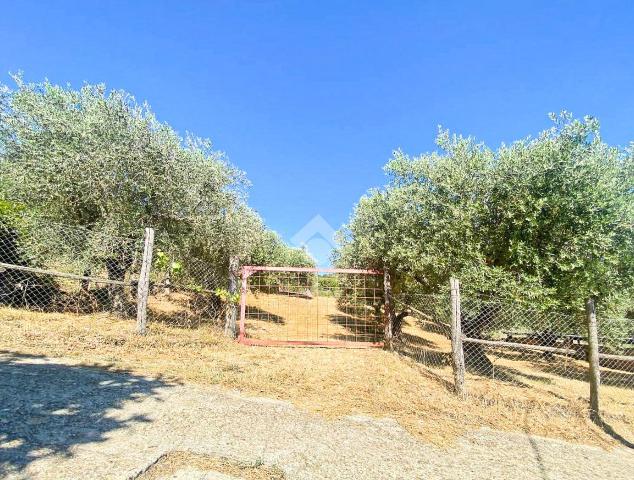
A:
61,421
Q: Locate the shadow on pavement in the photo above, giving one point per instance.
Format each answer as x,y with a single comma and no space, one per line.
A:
47,408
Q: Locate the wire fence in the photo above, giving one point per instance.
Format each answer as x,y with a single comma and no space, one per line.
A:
510,348
514,350
186,291
425,331
504,338
50,267
53,267
307,306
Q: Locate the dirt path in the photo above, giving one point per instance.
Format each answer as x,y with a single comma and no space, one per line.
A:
59,420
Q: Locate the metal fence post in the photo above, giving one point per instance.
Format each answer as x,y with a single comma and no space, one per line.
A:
143,288
593,360
457,352
231,313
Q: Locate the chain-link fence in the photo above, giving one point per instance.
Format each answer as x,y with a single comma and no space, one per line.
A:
186,290
423,331
51,267
516,342
516,352
510,348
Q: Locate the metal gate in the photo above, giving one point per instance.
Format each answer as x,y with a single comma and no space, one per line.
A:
328,307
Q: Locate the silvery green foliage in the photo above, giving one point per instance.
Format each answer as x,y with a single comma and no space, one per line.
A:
271,250
549,219
98,159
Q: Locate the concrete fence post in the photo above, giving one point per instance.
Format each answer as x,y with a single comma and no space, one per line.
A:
143,288
231,314
457,353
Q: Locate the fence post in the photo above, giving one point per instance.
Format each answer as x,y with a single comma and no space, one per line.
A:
143,288
593,360
389,309
457,352
231,314
243,303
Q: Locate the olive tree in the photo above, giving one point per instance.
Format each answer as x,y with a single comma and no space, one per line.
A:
98,159
547,219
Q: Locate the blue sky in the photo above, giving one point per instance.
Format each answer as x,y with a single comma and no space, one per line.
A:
310,98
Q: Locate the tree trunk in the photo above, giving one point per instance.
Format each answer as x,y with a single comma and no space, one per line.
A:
397,327
117,268
85,284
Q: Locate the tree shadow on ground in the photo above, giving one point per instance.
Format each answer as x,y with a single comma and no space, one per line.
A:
367,329
49,408
425,352
184,308
421,349
559,366
429,353
609,377
257,314
609,430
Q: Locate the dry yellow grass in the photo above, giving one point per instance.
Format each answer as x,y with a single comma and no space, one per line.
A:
533,378
288,317
171,463
329,382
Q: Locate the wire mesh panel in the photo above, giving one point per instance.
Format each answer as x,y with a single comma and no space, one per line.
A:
513,341
311,306
616,353
516,352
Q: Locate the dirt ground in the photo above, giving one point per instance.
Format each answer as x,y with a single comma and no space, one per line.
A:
318,318
64,420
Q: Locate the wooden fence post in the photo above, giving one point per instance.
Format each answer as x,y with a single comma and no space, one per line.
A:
231,314
389,310
143,288
593,360
457,352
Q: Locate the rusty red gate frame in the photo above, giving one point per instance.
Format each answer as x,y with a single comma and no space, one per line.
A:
249,270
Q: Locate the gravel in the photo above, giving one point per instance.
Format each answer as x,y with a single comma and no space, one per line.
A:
64,421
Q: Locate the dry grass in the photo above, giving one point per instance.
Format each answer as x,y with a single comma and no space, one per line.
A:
528,376
288,317
332,383
167,465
